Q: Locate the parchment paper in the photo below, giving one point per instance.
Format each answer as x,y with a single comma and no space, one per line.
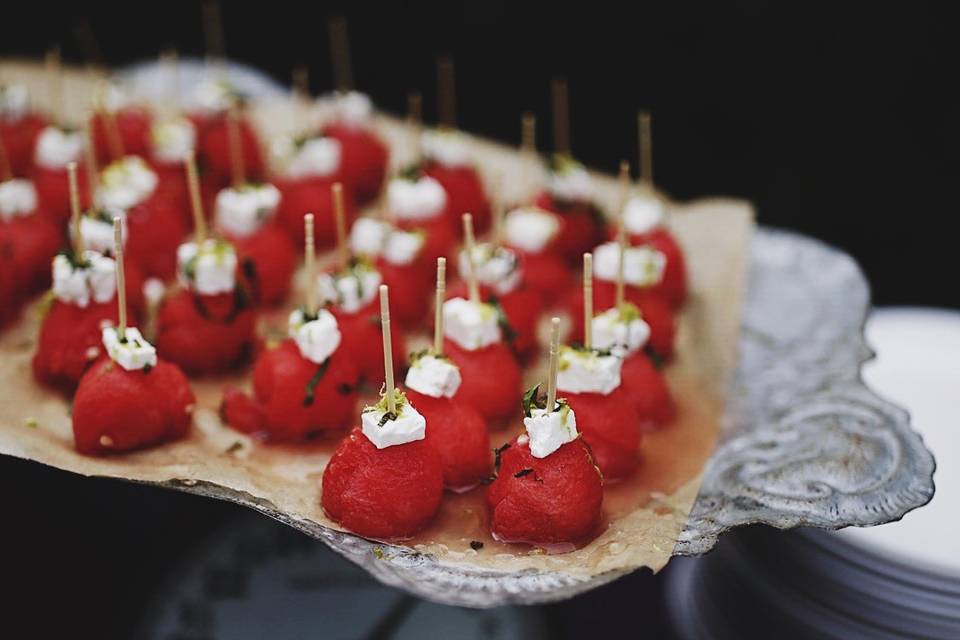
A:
644,515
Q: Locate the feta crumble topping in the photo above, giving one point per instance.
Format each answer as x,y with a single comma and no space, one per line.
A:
643,213
313,156
316,338
372,238
173,140
621,330
126,183
530,229
133,352
351,289
94,279
209,268
471,325
241,211
18,197
568,180
419,199
588,371
642,266
352,107
56,147
433,376
496,267
14,102
385,430
550,430
96,229
446,147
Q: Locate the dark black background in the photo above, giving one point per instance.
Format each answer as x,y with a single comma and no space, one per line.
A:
838,121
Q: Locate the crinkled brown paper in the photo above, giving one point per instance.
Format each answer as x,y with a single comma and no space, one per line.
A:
644,515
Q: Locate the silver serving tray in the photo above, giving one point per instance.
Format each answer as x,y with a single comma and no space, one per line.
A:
804,441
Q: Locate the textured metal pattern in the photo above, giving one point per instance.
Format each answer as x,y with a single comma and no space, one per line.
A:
805,443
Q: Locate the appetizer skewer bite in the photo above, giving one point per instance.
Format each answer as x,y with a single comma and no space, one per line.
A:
363,157
570,189
209,325
27,238
458,431
447,158
630,274
245,214
418,203
644,218
385,480
350,290
547,490
305,386
501,276
119,126
129,399
474,341
590,380
20,125
84,288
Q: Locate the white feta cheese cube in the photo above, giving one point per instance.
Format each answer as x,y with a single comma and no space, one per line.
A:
18,198
587,371
241,211
446,147
131,353
433,376
530,229
316,156
621,330
56,147
316,339
208,269
350,290
496,267
471,325
368,236
419,199
352,107
642,266
568,180
125,183
95,279
643,213
96,229
173,140
550,430
408,426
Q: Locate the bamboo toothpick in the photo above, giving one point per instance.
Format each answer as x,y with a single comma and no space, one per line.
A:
645,141
6,172
54,71
235,148
109,120
121,284
561,117
196,202
623,180
310,296
528,133
340,54
75,210
469,242
554,363
438,306
387,348
90,158
498,209
621,259
340,218
300,77
213,35
170,63
588,300
415,122
446,93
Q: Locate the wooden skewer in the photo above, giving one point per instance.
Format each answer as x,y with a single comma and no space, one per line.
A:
415,122
622,249
213,35
301,82
109,120
387,348
438,306
561,117
6,173
54,83
446,93
340,218
75,210
196,202
170,62
121,285
528,133
554,363
309,252
469,243
340,54
90,158
645,140
588,300
235,148
498,210
624,183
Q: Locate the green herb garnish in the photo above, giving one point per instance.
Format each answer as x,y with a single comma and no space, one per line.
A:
314,381
399,400
522,473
